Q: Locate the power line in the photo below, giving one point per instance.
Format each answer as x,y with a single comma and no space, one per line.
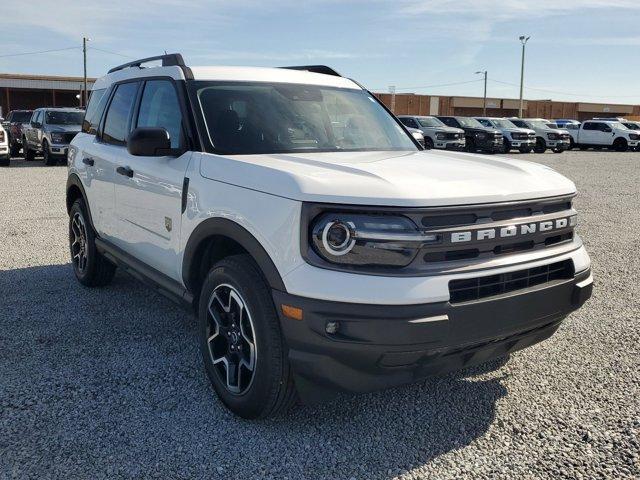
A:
38,52
564,93
435,86
111,52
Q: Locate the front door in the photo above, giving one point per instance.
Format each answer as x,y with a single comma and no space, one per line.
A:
149,191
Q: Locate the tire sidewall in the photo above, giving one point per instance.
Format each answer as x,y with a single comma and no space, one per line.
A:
269,358
83,277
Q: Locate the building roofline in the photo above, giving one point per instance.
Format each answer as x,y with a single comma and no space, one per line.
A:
24,76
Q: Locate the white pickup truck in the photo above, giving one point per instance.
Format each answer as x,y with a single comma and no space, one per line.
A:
605,134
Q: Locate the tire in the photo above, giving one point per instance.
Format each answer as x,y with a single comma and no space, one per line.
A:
525,149
48,159
471,145
583,147
253,340
541,146
14,150
428,143
29,155
620,145
89,266
506,146
572,144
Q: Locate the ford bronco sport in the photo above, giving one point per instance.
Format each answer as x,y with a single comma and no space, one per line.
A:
321,248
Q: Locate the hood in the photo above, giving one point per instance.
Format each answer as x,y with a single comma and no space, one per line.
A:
419,179
518,130
64,128
443,128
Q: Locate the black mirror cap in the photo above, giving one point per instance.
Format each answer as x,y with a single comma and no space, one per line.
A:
149,142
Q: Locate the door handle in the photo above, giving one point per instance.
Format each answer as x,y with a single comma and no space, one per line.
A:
88,161
126,171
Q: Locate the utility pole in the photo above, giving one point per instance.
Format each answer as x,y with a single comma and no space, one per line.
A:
524,41
83,103
484,101
392,91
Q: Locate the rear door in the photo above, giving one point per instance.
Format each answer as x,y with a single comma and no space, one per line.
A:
149,202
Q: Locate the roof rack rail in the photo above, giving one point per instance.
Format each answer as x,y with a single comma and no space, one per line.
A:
168,60
316,69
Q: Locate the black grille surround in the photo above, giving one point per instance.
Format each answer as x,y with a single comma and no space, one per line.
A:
445,256
473,289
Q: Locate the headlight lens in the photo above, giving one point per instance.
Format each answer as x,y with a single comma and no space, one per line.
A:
553,136
367,240
1,135
57,138
633,136
440,136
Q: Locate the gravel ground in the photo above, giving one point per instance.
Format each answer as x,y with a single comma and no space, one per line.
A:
108,383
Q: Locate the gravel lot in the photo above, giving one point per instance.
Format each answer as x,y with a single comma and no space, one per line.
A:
108,383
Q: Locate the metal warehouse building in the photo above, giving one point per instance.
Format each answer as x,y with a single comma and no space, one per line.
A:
412,104
33,91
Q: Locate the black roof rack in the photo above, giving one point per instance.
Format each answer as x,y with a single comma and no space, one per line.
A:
316,69
168,60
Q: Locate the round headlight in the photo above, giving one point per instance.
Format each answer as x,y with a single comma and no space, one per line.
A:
337,237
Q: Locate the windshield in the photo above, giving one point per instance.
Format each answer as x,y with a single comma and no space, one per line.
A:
21,117
538,124
618,126
553,125
501,123
64,118
430,122
254,118
469,122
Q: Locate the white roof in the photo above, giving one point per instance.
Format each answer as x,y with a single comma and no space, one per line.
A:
238,74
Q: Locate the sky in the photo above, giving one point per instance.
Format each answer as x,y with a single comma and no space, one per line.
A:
585,50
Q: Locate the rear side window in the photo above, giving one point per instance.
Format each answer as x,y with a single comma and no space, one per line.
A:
116,125
94,111
160,108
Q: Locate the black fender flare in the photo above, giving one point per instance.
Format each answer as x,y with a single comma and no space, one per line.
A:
230,229
74,181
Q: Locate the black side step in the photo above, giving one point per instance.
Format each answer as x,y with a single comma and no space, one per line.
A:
161,283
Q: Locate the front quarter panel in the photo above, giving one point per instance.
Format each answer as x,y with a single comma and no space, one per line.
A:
272,220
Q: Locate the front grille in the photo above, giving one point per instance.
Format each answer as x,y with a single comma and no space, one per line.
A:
520,136
68,136
470,289
453,136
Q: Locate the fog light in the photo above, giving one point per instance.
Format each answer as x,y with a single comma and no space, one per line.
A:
331,327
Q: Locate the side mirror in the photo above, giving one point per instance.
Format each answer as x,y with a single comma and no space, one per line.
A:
150,142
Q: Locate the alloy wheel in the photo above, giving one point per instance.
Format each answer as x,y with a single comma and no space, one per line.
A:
231,339
79,243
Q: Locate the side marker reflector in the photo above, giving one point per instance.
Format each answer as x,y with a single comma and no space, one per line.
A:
293,313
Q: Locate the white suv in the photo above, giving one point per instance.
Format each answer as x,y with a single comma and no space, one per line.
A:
322,250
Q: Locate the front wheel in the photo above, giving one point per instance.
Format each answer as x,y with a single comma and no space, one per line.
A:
15,149
90,267
471,145
242,346
506,146
48,159
29,155
620,145
428,143
541,146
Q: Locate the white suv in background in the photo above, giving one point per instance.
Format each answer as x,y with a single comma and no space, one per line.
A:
522,139
548,135
323,250
436,134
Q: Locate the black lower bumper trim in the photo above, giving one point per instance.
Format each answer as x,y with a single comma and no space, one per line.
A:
379,346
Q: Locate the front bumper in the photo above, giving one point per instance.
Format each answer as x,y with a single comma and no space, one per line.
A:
457,144
381,346
523,143
558,144
58,149
493,145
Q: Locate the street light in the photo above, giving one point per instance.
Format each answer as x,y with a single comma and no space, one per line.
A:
524,41
484,102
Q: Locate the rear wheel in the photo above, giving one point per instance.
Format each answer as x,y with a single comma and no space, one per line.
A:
428,143
541,146
242,347
90,267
